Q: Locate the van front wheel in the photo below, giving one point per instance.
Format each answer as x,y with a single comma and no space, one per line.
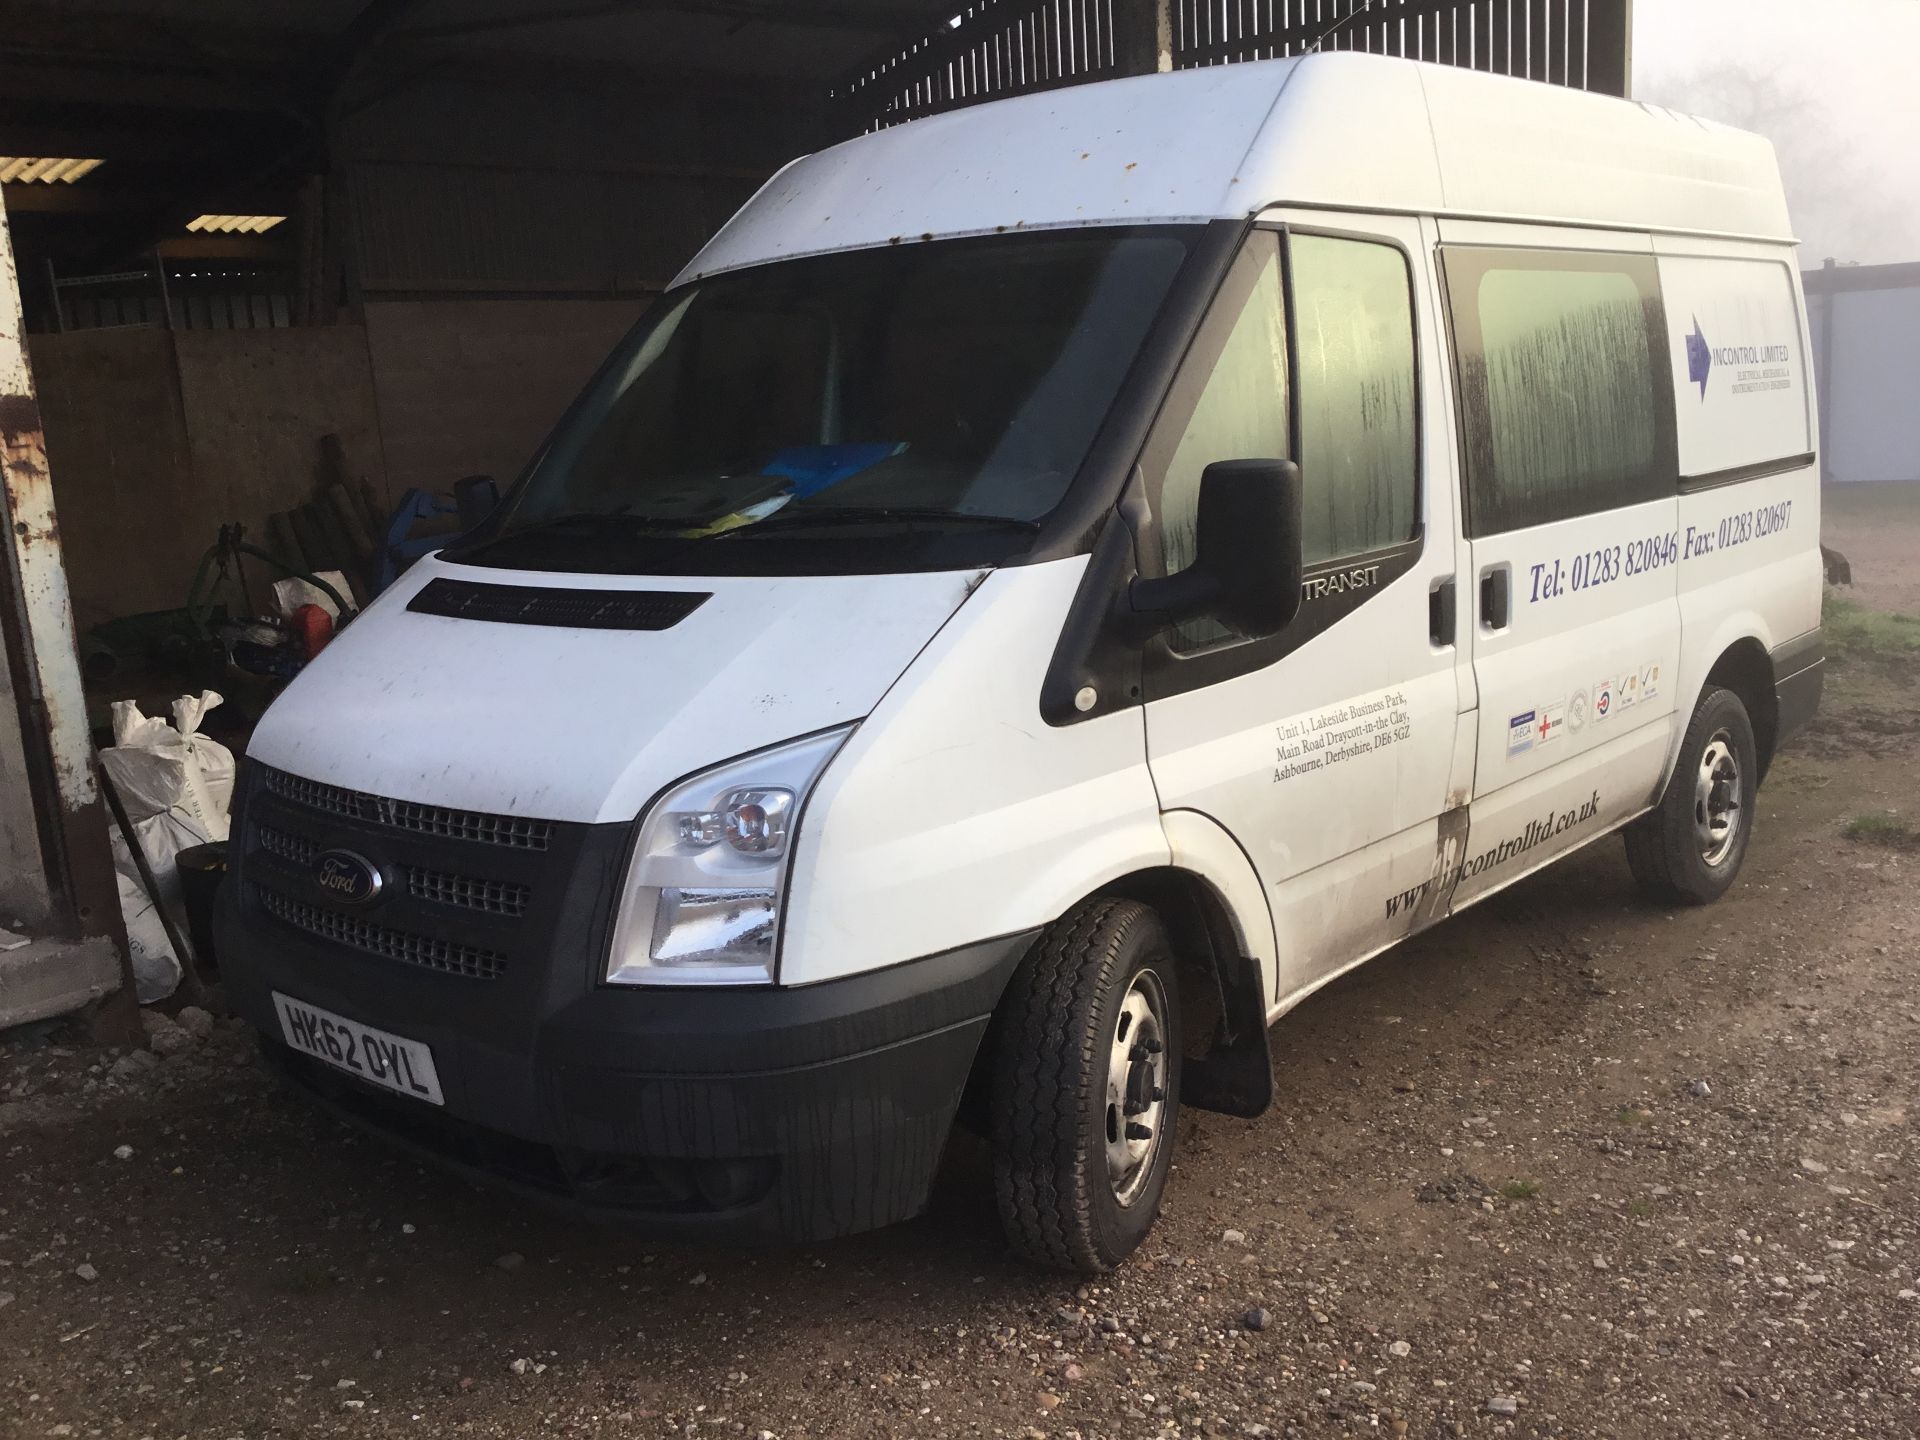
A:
1087,1088
1688,848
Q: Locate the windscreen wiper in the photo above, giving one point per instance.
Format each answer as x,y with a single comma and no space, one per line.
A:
798,519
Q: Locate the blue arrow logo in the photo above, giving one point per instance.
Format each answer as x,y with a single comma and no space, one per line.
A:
1699,358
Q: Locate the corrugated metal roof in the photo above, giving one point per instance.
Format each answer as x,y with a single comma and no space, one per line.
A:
810,39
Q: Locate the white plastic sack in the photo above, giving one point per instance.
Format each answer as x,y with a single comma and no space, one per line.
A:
156,970
176,786
290,594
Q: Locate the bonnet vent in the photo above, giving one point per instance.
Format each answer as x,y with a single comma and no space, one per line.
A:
567,608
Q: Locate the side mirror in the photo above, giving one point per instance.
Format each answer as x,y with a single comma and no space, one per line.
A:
1247,563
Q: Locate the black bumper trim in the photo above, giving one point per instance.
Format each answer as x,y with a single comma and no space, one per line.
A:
795,1114
1790,657
790,1027
1799,667
1797,697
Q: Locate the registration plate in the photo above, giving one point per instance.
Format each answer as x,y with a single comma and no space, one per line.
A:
389,1061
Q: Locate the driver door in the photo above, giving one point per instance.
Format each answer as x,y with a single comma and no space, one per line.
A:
1337,751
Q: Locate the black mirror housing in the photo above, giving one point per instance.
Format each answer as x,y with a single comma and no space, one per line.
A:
1248,536
475,498
1248,564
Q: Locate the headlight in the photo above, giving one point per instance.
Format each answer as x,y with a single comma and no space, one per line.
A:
702,899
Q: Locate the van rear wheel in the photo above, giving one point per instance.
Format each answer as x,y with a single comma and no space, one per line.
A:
1087,1088
1688,848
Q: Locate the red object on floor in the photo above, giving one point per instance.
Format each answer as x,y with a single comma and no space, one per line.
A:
314,627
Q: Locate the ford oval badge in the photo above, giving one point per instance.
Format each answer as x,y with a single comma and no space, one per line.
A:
346,876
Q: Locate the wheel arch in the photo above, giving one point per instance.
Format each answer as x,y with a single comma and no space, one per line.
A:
1205,940
1223,992
1225,970
1731,651
1745,668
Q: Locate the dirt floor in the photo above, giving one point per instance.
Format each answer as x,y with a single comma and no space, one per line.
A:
1567,1165
1874,526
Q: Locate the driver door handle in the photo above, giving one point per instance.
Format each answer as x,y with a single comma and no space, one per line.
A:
1441,614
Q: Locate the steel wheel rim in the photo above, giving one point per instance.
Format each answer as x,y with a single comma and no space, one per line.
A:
1135,1114
1717,800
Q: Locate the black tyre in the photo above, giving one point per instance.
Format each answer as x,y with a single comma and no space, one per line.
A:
1086,1088
1688,848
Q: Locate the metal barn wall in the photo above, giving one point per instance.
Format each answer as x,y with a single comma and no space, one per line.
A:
1000,47
1012,47
582,182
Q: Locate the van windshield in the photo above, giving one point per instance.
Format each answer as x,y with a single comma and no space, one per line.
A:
936,397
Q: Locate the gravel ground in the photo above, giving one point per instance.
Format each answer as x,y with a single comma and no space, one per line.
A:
1565,1166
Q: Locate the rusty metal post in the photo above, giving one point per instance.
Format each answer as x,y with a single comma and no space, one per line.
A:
61,867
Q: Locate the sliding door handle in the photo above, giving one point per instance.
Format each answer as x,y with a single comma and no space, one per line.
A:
1496,597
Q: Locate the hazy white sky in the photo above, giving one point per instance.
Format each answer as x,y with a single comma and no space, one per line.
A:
1831,82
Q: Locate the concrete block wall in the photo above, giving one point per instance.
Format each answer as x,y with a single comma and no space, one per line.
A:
471,387
155,439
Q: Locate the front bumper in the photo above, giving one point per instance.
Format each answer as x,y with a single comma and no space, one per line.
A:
772,1114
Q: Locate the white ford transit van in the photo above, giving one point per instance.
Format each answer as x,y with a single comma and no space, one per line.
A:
1049,587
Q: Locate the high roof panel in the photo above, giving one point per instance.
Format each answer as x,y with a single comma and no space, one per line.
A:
1152,148
1515,147
1227,141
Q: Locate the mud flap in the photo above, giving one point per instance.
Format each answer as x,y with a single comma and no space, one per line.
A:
1236,1076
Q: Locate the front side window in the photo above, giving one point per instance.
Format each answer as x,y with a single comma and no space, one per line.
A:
1241,412
887,397
1353,366
1359,435
1565,407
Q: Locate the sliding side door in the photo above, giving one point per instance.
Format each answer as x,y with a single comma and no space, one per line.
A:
1572,512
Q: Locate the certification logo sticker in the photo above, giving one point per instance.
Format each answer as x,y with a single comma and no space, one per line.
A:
1578,706
1650,681
1552,723
1628,692
1602,700
1520,734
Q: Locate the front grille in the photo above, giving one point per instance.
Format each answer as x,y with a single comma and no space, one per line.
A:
429,952
294,849
495,897
467,892
508,831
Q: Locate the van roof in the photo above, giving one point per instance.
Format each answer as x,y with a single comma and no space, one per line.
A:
1357,131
